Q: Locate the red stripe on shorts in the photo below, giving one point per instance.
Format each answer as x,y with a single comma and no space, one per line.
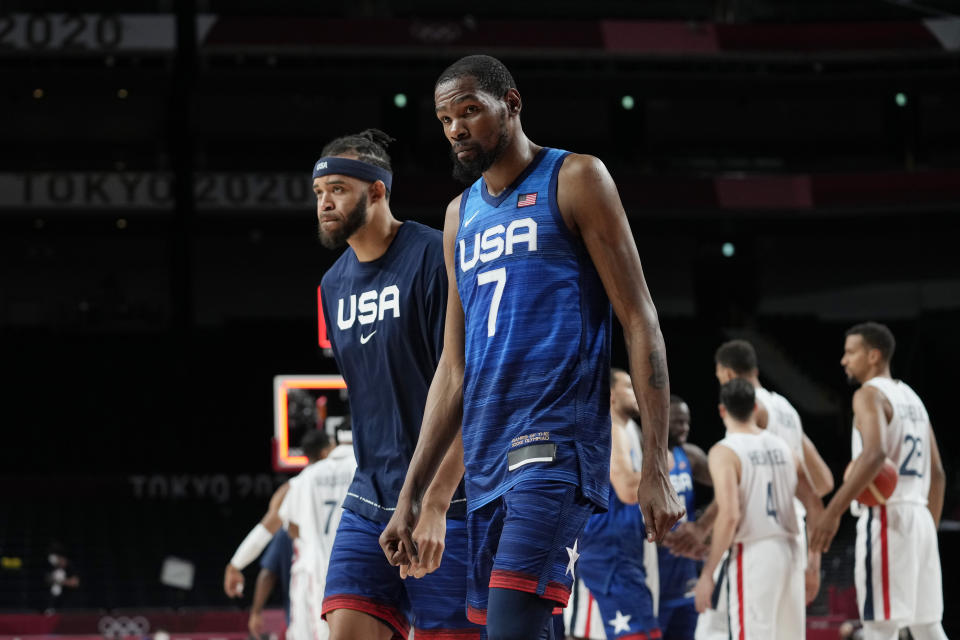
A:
586,630
884,562
500,579
740,586
447,634
389,615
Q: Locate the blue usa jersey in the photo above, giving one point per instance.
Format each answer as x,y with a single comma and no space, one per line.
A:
385,324
678,575
536,396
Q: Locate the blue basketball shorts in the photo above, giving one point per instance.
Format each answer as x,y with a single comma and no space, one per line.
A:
624,600
526,540
360,578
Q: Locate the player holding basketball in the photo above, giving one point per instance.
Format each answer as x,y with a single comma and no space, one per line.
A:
536,250
755,477
897,572
312,513
384,300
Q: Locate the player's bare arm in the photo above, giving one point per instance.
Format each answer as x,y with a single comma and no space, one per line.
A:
821,478
938,480
266,581
810,498
725,470
591,207
254,544
624,479
431,529
870,410
699,465
442,416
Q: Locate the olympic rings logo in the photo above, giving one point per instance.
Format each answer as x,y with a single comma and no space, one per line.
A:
121,626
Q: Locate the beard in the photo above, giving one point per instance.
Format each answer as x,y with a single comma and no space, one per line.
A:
351,223
469,171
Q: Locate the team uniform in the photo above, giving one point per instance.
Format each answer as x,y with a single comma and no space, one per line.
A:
677,614
612,567
763,589
277,558
313,504
783,421
385,324
536,423
897,572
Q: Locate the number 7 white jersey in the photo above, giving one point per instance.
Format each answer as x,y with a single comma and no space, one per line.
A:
314,503
905,440
768,483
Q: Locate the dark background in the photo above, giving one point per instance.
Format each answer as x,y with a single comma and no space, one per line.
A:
159,265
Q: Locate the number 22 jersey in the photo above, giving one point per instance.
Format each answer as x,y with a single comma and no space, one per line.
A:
536,396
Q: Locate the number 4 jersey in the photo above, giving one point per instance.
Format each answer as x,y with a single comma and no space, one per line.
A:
536,396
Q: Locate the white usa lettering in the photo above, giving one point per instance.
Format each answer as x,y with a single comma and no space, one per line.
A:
320,165
373,306
497,241
681,482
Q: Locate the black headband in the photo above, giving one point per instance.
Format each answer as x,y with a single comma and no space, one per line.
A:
354,168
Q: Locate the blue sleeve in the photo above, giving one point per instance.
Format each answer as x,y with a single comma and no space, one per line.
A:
272,557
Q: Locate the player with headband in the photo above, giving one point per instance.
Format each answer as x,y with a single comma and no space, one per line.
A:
384,302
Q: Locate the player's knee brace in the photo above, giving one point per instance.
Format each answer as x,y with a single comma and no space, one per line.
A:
932,631
517,615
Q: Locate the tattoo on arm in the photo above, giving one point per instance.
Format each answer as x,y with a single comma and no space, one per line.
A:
658,365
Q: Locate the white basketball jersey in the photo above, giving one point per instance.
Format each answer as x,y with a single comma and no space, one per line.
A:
784,421
768,482
314,505
905,440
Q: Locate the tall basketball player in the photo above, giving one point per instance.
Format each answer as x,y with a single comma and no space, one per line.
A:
897,573
537,247
384,300
755,477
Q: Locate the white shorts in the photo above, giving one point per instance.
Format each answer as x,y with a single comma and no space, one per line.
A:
306,598
581,616
712,624
897,571
766,590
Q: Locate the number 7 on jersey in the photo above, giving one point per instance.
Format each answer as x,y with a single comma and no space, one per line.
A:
499,276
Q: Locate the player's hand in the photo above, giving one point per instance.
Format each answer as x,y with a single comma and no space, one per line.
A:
396,541
255,624
687,541
822,531
811,583
659,503
428,539
703,592
232,582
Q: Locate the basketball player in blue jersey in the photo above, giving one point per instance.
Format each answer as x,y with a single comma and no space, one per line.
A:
384,300
611,561
536,248
678,575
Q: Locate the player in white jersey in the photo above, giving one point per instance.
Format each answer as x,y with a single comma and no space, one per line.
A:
897,573
738,359
312,512
755,477
315,447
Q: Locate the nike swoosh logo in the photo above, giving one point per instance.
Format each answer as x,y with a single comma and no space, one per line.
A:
365,339
466,222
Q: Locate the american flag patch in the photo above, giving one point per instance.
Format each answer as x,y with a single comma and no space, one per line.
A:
526,199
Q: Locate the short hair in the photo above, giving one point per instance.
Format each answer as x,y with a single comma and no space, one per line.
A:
675,399
491,75
876,336
370,146
614,372
739,397
738,355
314,442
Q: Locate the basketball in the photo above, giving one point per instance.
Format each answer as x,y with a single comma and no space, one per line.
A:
880,488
